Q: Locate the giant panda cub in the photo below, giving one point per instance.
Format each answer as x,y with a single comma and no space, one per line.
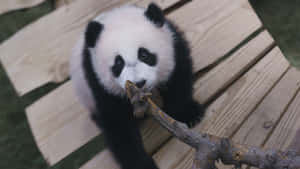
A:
140,45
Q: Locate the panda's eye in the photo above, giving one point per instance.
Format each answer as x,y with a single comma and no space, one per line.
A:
147,57
118,66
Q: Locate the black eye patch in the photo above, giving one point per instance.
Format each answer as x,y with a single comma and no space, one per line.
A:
147,57
118,66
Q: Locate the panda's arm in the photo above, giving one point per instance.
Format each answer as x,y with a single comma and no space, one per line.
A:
122,135
178,94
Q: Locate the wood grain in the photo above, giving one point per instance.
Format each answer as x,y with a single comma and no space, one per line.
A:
44,58
216,26
263,120
226,114
286,133
8,5
287,129
256,129
58,118
215,80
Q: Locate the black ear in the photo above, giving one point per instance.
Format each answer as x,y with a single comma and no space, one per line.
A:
155,15
92,33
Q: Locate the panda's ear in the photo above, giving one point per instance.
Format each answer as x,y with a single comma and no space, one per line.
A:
92,33
155,15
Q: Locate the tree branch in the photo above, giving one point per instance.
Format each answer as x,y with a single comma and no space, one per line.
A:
209,148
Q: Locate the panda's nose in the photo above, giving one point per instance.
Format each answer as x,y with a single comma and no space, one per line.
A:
141,83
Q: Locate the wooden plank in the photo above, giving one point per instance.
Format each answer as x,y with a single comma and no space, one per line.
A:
45,58
287,129
262,121
229,110
52,124
215,80
8,5
69,101
287,133
215,27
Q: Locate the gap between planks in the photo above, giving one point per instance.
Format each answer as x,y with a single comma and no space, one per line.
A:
9,5
256,130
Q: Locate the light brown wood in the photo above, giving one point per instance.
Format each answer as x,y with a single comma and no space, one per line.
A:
286,134
256,129
263,120
226,114
70,101
216,26
44,58
215,80
51,124
8,5
287,129
58,118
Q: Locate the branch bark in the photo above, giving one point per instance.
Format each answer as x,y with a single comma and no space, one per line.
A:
209,148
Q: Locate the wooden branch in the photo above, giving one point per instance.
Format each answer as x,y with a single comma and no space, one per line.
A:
209,148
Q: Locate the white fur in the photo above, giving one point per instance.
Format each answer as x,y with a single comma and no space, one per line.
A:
126,29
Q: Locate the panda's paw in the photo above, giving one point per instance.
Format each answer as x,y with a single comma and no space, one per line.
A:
193,114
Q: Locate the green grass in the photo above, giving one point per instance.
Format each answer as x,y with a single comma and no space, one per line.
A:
17,147
282,19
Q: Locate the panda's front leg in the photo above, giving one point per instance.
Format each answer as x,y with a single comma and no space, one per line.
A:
122,135
178,100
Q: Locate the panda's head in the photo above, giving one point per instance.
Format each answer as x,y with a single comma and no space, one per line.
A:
131,43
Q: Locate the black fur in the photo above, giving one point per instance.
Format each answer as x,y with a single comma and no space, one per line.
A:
92,32
118,66
177,93
155,15
119,127
147,57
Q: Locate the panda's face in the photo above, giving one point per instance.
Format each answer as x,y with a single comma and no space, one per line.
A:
132,48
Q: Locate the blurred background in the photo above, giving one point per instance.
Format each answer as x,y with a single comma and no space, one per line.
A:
17,148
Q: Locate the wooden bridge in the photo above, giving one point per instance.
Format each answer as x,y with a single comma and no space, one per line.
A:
251,90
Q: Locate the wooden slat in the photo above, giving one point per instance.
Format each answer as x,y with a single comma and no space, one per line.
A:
229,110
210,26
287,133
262,121
226,72
8,5
44,58
52,124
287,129
69,100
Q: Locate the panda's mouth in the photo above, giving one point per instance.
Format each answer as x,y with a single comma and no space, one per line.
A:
141,84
